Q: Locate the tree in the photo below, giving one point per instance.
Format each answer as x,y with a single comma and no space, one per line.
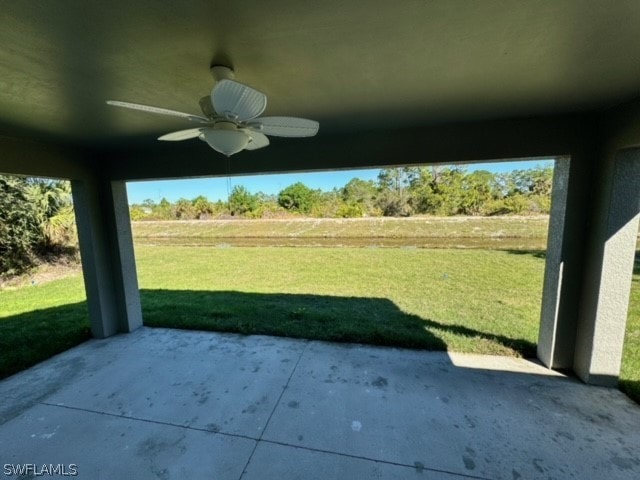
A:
241,202
298,197
541,180
163,210
202,207
478,189
437,190
54,211
421,185
19,230
393,186
328,205
267,206
359,196
149,203
183,209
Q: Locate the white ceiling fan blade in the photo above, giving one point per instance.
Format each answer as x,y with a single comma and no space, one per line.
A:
160,111
258,140
236,101
181,135
285,126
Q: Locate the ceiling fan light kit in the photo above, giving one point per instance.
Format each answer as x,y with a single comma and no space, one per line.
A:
225,138
231,121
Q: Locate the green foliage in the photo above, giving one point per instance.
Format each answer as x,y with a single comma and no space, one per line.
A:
298,198
359,197
439,190
19,229
393,198
478,188
241,202
517,203
349,210
326,205
184,210
60,228
164,211
137,213
36,217
267,207
398,192
202,208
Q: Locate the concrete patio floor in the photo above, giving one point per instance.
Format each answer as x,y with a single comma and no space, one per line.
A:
170,404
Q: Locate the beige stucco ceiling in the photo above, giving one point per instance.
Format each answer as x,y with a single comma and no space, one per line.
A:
350,65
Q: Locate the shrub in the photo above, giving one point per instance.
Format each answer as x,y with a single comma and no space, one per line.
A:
298,197
352,210
36,218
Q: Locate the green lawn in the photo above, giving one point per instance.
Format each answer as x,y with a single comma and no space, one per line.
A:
465,300
38,321
630,373
479,301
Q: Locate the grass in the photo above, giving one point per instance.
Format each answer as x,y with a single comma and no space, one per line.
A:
39,321
438,299
419,298
476,232
412,227
630,372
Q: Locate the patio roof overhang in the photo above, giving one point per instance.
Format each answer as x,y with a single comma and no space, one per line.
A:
391,83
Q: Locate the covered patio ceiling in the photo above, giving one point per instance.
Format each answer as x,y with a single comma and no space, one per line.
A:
354,66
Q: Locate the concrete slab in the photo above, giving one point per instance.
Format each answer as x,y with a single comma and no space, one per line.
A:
105,447
278,462
410,407
222,383
166,404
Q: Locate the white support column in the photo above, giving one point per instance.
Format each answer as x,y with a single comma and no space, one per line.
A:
108,263
606,289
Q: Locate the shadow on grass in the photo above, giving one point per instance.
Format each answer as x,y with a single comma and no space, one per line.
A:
631,388
534,253
31,337
376,321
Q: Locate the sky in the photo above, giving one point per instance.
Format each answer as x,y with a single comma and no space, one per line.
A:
217,188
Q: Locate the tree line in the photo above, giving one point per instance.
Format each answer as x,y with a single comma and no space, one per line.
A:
397,192
37,219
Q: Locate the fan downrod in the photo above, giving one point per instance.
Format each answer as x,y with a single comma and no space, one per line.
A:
222,72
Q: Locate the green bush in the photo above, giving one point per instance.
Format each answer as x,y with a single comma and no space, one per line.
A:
19,230
352,210
36,218
242,202
298,198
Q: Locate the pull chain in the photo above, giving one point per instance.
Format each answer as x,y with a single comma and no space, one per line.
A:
229,185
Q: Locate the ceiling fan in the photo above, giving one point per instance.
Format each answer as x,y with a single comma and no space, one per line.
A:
231,119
